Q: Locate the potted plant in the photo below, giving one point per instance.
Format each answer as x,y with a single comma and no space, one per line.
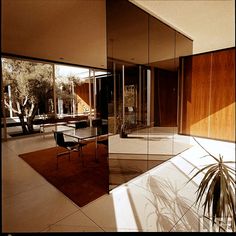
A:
123,133
217,188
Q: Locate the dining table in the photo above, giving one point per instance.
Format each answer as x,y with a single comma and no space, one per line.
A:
87,134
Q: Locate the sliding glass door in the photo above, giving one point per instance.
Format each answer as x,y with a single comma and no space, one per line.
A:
34,92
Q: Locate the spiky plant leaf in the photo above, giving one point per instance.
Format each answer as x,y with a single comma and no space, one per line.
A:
218,187
205,182
215,204
210,194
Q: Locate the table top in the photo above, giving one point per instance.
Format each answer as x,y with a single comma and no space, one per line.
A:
85,133
76,121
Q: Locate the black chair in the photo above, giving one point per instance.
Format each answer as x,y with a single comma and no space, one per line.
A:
69,145
97,122
81,124
102,129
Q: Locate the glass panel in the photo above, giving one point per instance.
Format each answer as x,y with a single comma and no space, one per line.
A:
161,45
184,47
127,38
127,32
164,81
72,90
166,46
143,59
127,116
28,94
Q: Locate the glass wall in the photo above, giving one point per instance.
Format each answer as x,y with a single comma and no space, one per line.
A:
143,57
127,37
34,93
72,90
137,99
27,94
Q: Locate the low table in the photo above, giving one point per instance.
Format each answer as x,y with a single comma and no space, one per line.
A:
88,133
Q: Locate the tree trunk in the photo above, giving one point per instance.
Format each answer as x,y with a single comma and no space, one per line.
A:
30,120
23,125
30,125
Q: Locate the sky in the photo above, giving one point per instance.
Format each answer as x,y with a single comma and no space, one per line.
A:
69,70
83,73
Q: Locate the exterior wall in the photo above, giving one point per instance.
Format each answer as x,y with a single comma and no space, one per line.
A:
208,95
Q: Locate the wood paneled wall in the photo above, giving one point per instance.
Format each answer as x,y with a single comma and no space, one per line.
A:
207,107
222,102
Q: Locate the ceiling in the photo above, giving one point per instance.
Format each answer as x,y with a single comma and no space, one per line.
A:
74,31
209,23
71,31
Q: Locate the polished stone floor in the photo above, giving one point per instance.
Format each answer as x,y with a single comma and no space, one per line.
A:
156,200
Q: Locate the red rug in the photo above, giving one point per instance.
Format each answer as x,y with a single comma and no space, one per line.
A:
82,184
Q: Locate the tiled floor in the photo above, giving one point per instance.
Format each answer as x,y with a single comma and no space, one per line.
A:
158,200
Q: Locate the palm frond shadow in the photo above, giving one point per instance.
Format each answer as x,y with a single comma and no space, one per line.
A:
169,206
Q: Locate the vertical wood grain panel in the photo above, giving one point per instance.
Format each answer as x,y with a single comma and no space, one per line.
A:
222,100
196,96
83,91
208,101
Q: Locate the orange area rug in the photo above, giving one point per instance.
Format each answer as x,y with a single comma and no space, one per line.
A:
81,183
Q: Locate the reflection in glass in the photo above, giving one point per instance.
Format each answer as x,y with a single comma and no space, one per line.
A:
127,146
127,32
127,39
76,90
161,45
143,57
72,90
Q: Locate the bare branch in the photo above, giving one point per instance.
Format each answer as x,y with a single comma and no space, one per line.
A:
26,99
31,109
18,107
8,106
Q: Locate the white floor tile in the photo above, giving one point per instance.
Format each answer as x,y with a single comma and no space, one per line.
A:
20,179
190,222
157,200
77,222
169,182
133,208
34,210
